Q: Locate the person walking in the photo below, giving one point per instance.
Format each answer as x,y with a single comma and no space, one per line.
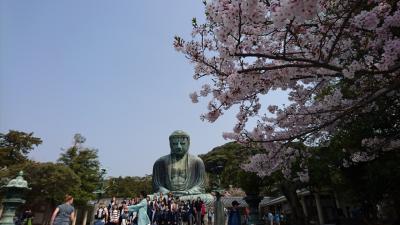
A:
270,218
203,212
149,209
27,217
234,214
64,213
101,215
153,206
157,217
165,215
141,209
114,215
210,216
124,217
174,217
185,212
197,207
277,217
191,213
246,216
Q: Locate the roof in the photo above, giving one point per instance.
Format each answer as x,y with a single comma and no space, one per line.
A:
281,199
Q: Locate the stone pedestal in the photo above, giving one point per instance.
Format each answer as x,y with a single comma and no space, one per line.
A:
208,199
253,201
10,206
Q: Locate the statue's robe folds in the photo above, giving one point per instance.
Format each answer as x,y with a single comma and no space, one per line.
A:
194,175
192,185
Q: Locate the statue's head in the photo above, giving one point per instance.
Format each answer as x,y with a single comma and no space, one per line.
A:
179,142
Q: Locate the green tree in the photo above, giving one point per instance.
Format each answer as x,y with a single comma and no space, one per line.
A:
230,156
50,182
84,163
15,146
373,176
127,187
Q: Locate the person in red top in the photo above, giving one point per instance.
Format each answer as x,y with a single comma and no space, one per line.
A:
203,212
246,215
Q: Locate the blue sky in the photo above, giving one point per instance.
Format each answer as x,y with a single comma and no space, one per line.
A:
105,69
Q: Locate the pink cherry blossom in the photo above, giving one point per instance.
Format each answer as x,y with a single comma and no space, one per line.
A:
194,97
308,48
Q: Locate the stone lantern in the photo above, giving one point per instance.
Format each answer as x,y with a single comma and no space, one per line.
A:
14,193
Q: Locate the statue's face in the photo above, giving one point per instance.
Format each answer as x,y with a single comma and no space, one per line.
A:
179,145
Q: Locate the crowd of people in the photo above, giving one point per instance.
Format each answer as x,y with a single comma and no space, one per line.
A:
155,210
168,210
274,217
161,210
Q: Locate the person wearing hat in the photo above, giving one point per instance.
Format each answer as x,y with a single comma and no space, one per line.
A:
234,214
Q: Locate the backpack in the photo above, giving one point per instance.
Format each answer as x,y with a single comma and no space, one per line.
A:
100,214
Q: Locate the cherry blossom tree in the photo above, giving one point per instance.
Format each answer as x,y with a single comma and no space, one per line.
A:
335,59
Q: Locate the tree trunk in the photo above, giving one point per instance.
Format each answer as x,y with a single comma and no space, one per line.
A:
288,189
85,215
319,209
93,213
49,212
76,216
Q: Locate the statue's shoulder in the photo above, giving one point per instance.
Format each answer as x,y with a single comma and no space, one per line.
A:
162,159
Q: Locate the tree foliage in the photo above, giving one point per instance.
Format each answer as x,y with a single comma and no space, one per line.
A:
363,181
336,60
128,187
84,163
50,182
15,146
77,172
230,156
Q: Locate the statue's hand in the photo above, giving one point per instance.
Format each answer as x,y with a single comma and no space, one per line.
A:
163,190
194,191
180,192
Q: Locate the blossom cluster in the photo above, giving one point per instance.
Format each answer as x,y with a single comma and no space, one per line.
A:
308,48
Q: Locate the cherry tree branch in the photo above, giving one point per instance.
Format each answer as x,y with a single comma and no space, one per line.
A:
395,85
291,59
